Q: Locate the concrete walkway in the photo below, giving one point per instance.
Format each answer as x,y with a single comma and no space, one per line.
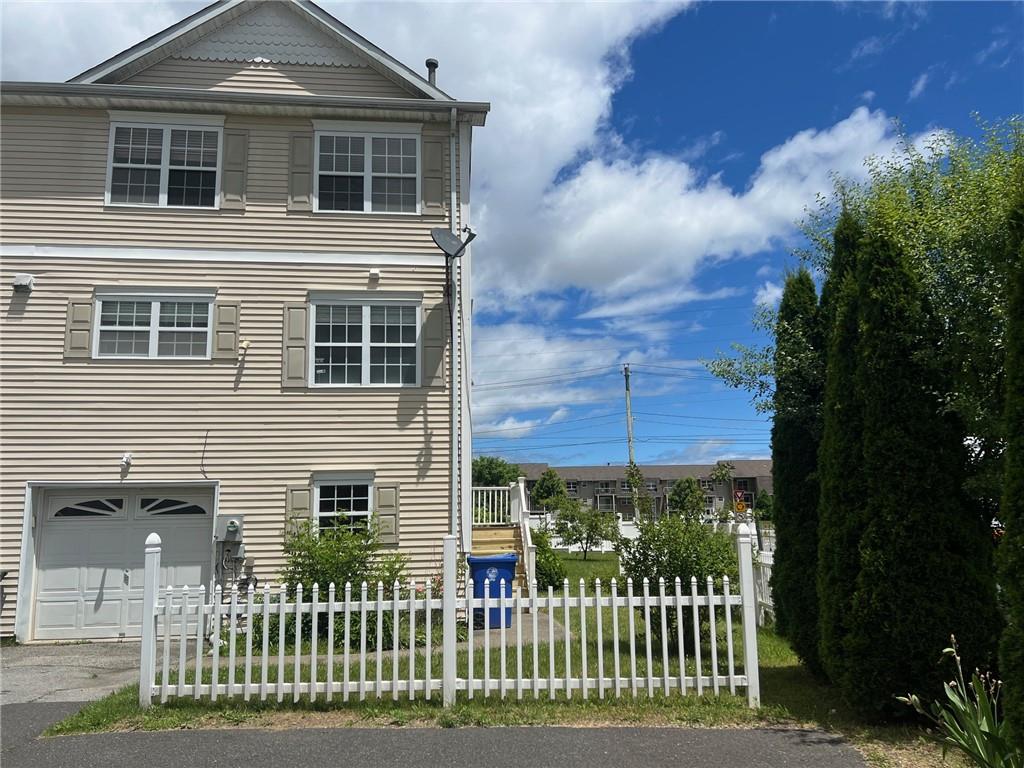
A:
417,748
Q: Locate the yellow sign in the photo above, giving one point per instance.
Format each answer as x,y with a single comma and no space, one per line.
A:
741,506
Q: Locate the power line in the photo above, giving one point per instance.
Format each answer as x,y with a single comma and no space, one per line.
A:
702,418
551,376
554,423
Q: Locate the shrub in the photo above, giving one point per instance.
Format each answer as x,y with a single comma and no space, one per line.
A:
336,556
550,570
673,547
969,719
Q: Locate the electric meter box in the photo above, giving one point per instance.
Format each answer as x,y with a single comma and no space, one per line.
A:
229,528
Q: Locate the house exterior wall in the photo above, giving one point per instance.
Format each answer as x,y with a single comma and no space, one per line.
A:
225,422
53,168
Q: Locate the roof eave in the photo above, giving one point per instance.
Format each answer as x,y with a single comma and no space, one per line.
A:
115,96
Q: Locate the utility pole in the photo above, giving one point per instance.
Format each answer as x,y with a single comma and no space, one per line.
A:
629,416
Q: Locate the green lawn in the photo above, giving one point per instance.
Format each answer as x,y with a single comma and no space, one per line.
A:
790,697
598,565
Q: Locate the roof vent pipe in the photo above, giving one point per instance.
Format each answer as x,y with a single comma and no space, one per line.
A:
432,71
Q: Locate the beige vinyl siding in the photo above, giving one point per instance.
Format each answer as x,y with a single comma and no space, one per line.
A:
269,78
53,167
210,420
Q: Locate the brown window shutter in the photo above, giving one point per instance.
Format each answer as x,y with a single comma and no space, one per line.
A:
385,509
232,177
225,330
435,339
433,177
298,503
295,353
300,172
78,332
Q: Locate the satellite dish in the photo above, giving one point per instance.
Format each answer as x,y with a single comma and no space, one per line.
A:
446,241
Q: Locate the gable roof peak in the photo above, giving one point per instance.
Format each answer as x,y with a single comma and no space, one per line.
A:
278,31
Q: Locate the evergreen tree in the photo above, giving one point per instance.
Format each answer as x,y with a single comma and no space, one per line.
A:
840,476
1011,547
795,434
925,553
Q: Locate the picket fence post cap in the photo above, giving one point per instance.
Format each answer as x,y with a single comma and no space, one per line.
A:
743,529
153,540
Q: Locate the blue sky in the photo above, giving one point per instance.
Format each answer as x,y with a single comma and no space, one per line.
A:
637,185
717,86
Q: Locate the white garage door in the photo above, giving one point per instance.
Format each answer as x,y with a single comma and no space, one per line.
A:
90,564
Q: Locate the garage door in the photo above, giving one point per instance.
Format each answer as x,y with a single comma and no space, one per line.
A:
90,563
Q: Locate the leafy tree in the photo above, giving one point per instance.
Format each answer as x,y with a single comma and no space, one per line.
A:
686,499
795,433
925,553
492,470
840,457
721,473
549,486
764,504
643,504
577,524
1011,547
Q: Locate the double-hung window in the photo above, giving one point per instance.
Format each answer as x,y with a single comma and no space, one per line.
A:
153,327
164,165
365,343
344,503
571,487
368,171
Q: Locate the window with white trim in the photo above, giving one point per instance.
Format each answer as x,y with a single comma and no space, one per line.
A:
164,165
652,486
606,486
624,485
707,485
606,502
343,504
165,327
367,172
571,487
365,344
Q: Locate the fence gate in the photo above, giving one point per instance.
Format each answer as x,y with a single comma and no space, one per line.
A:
354,642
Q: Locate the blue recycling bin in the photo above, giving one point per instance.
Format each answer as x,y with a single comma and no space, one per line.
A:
493,568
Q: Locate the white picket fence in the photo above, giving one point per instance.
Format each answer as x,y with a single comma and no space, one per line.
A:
225,649
763,587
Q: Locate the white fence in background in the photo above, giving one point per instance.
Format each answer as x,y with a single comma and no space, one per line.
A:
576,642
763,587
492,505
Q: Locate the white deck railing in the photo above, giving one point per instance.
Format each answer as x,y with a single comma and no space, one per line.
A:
492,505
394,641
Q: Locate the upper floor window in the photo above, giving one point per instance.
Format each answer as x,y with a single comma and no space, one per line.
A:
571,487
368,172
164,165
652,486
707,485
624,485
606,486
164,327
365,344
742,484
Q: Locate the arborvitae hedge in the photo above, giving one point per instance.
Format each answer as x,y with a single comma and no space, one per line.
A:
925,554
840,476
1011,548
794,462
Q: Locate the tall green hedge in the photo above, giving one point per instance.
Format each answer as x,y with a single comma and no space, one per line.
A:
841,481
794,463
925,553
1011,548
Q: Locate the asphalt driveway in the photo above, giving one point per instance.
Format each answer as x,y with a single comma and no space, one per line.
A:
418,748
66,672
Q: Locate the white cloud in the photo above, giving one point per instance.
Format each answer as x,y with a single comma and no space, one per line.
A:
867,97
770,293
997,45
701,146
918,86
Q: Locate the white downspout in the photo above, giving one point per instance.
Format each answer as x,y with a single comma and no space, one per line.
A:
455,383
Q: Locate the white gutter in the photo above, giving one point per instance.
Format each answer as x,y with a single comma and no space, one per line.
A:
455,383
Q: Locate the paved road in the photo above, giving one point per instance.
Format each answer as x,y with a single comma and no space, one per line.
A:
417,748
66,672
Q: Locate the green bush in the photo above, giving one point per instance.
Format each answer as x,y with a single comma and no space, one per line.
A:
550,570
337,556
576,524
673,547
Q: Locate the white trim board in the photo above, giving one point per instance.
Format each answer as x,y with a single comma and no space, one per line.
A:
187,254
